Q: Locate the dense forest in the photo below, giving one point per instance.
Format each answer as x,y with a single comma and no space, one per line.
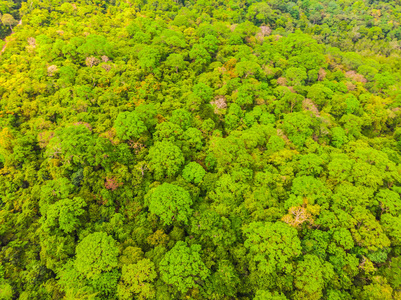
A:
160,149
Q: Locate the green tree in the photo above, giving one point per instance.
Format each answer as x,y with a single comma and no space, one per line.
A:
149,58
77,146
96,253
171,203
183,268
64,213
311,276
165,159
136,280
8,20
129,126
296,76
272,247
261,13
175,61
299,127
193,172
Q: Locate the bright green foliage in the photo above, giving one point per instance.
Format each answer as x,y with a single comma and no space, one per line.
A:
182,118
77,146
310,277
165,159
6,290
182,267
175,61
296,76
65,213
307,190
96,45
369,234
339,137
193,172
193,140
171,203
168,131
96,253
320,94
390,201
94,269
200,56
129,126
298,126
149,58
272,246
378,289
310,164
391,226
147,114
393,272
210,228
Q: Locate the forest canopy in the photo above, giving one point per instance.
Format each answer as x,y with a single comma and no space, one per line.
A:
206,149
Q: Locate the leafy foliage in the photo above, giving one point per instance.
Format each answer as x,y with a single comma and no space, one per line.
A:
200,149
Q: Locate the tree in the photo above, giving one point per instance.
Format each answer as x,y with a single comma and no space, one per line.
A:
378,289
390,201
183,268
311,164
171,203
311,276
165,159
129,126
96,253
210,43
203,91
136,280
320,94
392,271
367,231
249,69
299,127
271,247
64,213
96,45
261,13
149,58
268,133
296,76
181,117
193,140
307,190
211,229
8,20
225,280
147,113
77,146
193,172
175,61
339,137
200,56
94,269
168,131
